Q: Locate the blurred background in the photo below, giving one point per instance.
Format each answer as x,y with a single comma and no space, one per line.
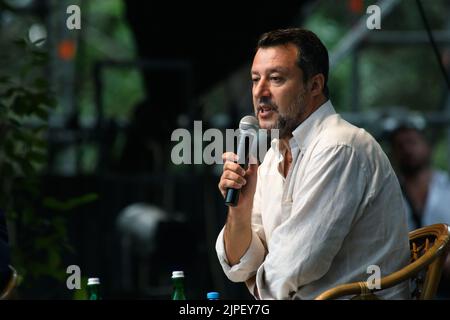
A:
86,117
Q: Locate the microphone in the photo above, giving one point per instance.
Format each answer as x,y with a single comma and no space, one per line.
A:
248,128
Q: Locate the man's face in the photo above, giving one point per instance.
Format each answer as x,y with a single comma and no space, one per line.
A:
411,151
279,94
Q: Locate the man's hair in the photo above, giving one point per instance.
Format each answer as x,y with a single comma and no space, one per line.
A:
312,55
392,135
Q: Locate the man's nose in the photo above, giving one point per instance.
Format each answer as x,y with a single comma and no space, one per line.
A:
261,89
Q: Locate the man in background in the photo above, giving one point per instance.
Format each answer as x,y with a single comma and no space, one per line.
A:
426,190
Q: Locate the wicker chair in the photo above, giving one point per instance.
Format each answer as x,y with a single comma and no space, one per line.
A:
429,247
11,285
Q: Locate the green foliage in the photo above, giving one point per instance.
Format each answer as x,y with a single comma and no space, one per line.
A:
440,154
70,204
81,294
112,40
123,92
24,105
390,75
38,239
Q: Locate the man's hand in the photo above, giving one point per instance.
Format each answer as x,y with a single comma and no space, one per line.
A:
238,233
234,176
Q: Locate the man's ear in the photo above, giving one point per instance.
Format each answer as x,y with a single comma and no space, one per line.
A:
316,84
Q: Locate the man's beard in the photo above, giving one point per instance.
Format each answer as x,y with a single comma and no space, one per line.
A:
409,168
286,124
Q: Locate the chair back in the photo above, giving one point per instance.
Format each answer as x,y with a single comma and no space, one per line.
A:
429,247
11,285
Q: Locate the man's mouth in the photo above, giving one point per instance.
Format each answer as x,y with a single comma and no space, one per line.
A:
265,109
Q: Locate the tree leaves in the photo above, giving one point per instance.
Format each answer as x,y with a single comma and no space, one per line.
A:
70,204
25,103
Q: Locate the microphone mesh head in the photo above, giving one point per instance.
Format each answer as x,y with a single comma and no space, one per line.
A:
249,122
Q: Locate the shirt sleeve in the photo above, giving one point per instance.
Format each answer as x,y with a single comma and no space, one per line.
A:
324,206
254,256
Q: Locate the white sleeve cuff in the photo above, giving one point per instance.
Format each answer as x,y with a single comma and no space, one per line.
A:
249,263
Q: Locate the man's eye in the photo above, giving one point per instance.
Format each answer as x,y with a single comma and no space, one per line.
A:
276,79
255,79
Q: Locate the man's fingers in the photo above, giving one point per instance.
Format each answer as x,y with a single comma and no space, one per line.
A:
228,183
233,174
229,156
225,183
231,180
231,166
230,175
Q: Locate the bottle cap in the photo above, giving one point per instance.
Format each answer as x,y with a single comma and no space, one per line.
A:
212,295
92,281
178,274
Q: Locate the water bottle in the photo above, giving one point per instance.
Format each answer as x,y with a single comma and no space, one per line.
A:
178,285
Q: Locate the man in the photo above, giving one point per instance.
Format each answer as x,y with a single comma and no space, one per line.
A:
325,203
426,190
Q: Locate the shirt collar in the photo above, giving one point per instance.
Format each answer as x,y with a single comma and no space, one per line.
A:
307,130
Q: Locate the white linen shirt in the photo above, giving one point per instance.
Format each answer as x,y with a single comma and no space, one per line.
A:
338,211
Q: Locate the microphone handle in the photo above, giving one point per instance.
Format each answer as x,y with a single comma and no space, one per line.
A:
232,196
